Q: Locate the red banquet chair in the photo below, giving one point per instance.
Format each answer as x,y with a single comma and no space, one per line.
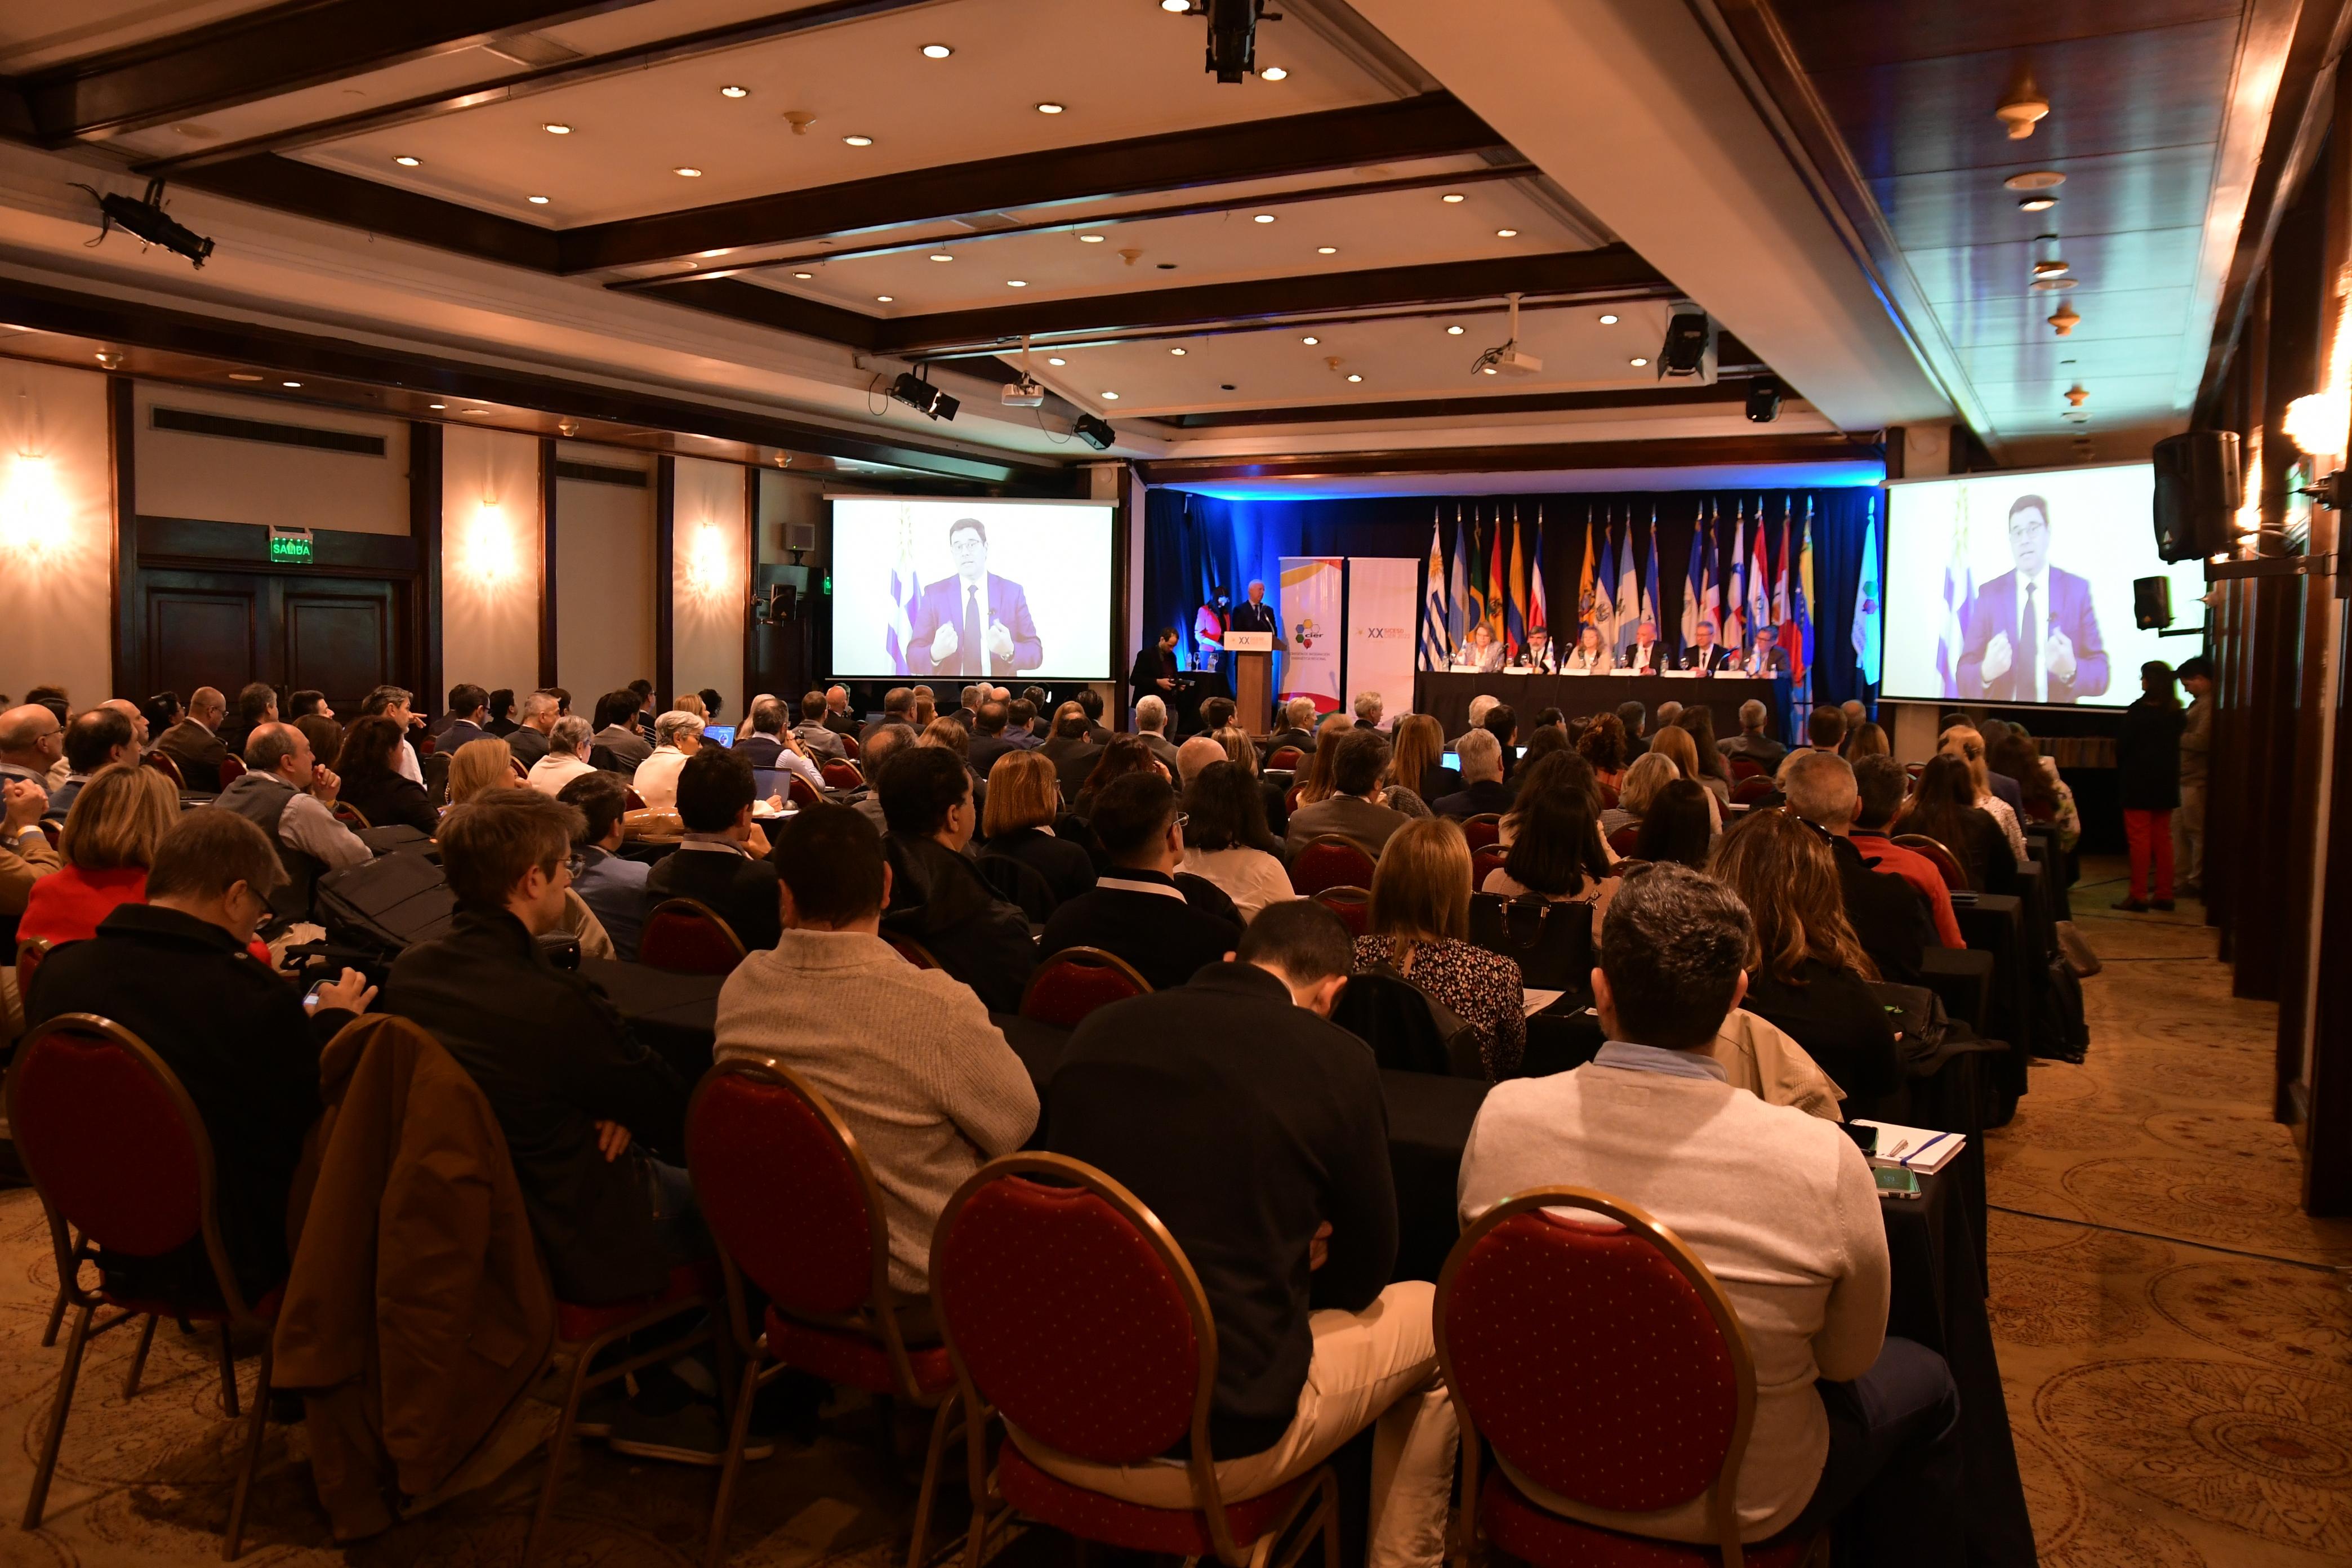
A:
799,791
1753,788
1608,795
1352,905
1625,837
840,775
1955,877
794,1208
1591,1446
1329,861
30,951
850,747
163,764
351,817
232,768
1285,757
1484,863
1069,1309
688,937
1484,829
913,951
1745,768
121,1162
1076,981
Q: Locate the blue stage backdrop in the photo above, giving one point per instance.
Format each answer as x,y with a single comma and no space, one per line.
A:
1192,539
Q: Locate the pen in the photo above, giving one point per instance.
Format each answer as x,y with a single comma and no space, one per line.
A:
1921,1150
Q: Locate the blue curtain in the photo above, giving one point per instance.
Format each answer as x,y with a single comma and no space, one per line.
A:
1192,541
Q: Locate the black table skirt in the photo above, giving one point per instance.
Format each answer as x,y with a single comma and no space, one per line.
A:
1447,696
1939,1285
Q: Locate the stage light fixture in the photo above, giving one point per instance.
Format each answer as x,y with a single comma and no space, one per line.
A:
144,217
1095,433
1763,401
923,397
1022,393
1232,36
1689,345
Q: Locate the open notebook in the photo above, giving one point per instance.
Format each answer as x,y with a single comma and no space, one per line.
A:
1920,1149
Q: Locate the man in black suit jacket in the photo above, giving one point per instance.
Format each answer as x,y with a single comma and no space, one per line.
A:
1895,924
1166,926
1154,672
174,971
837,716
1091,700
988,740
1704,655
1298,718
528,739
937,897
582,1103
1073,755
469,706
1482,771
722,862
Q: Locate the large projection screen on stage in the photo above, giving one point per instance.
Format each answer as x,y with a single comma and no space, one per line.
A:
2015,589
958,591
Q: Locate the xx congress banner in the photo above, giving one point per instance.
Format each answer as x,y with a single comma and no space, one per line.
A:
1312,600
1383,593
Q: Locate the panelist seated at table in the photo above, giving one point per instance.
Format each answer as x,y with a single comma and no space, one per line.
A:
1704,655
1295,1243
1767,658
1851,1425
1539,657
1643,656
1481,651
1589,657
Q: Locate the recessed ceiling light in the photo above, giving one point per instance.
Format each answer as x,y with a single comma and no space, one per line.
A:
882,298
687,171
1326,251
1609,318
1637,362
1487,368
1262,218
1310,340
2042,204
1453,331
1057,361
556,128
1091,239
537,201
705,255
244,375
1178,7
2038,180
1049,108
936,51
803,277
731,90
1452,196
1506,234
405,162
437,406
858,140
476,413
941,255
2047,284
1271,73
1355,378
1016,282
1111,398
289,383
1178,353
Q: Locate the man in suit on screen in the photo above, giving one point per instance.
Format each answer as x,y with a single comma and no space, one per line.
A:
2033,634
974,623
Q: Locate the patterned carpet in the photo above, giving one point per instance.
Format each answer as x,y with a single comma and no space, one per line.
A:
2175,1337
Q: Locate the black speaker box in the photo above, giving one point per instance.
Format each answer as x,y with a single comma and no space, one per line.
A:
2197,493
2152,603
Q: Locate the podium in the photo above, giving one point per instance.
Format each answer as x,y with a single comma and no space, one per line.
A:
1253,660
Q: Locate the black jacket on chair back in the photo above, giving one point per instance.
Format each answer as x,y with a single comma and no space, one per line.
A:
938,898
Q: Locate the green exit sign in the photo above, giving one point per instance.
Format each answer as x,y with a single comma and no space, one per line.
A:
290,546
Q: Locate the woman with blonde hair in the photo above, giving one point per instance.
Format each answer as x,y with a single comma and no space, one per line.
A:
1644,777
1809,974
1420,762
1967,744
1419,925
1024,796
1866,740
1675,743
106,844
484,765
1241,752
1317,785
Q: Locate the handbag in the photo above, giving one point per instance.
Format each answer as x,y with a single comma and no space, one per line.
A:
1551,941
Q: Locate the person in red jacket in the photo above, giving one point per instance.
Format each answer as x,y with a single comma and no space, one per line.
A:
108,843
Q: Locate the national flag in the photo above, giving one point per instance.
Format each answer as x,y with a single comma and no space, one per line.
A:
1734,631
1436,636
1515,603
1605,591
1699,578
1539,613
1759,603
1584,580
1458,591
1798,637
1867,612
1959,596
1654,588
1629,588
1497,581
906,591
1780,582
1710,579
1474,610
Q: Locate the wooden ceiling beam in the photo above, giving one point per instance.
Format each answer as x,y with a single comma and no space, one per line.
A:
242,59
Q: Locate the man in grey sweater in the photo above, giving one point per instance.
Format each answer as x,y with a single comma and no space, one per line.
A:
906,1056
1778,1205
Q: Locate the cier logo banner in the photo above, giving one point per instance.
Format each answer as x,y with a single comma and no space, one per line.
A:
1383,597
1313,602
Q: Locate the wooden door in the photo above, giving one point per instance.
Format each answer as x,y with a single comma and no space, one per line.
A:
342,636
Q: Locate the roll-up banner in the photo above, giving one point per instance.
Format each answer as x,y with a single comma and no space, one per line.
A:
1313,605
1383,594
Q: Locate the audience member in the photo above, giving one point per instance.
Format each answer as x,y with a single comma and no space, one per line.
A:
1296,718
466,722
175,972
1944,806
1635,717
26,856
1855,715
156,714
1217,712
1194,754
1073,755
1603,745
1226,840
1644,777
1358,758
501,722
1091,700
988,740
1878,786
480,765
1809,975
1483,792
677,735
837,716
1139,910
815,736
1825,729
642,690
257,704
1020,724
617,733
1295,1246
568,745
1243,754
720,861
1369,708
2147,772
1866,740
1699,720
1887,917
1503,724
107,843
1314,783
287,795
1679,826
2048,799
527,738
1678,746
762,738
93,741
1556,855
1024,800
1751,742
191,743
972,697
1419,926
937,897
1841,1411
609,883
1151,729
1419,760
1547,740
1967,744
884,740
372,783
32,744
393,702
907,1056
899,708
713,704
2196,675
1126,754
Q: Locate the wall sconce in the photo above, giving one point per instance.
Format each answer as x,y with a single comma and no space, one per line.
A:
490,546
710,563
32,513
2317,424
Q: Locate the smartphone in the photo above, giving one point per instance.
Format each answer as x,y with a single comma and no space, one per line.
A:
1864,1137
310,997
1897,1183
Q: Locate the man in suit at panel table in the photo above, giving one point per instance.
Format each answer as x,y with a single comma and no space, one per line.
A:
2033,634
1767,659
1704,655
1643,655
974,623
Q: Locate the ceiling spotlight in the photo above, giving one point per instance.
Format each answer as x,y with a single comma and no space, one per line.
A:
1095,433
144,217
1176,5
1506,234
1506,358
803,277
858,140
1326,251
244,375
1354,377
688,171
405,162
1608,318
923,397
1689,342
2062,320
730,91
1016,282
1453,197
1091,239
882,298
1453,331
289,383
556,128
1763,401
1637,362
537,201
936,51
1057,361
1178,353
1310,341
1273,73
1262,218
2022,113
941,255
1111,398
2041,203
